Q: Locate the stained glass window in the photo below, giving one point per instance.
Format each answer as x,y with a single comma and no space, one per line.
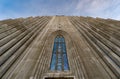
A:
59,59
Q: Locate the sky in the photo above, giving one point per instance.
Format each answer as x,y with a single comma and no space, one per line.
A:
27,8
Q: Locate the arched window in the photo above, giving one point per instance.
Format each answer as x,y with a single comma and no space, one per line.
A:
59,59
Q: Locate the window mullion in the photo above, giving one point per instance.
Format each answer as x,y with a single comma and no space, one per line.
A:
56,56
62,57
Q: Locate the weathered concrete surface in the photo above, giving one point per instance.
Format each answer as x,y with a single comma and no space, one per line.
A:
93,47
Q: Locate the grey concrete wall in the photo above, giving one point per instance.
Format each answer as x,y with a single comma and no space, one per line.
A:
93,52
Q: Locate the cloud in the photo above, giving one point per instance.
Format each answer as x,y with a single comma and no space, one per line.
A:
99,8
22,8
94,8
51,7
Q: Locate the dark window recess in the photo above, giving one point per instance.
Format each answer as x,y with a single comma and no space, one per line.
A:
59,78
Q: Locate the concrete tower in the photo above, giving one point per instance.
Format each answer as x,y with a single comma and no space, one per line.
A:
92,48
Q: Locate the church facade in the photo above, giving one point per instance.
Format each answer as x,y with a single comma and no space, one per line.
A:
59,47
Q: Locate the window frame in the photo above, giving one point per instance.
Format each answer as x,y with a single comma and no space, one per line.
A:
59,59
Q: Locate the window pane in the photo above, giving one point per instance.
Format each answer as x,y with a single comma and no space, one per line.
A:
59,58
59,67
53,62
